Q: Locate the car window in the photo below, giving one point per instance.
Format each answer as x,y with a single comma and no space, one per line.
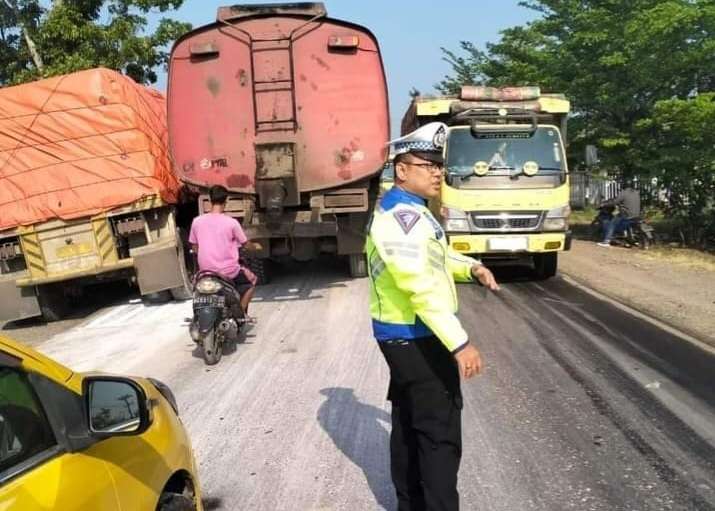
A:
24,429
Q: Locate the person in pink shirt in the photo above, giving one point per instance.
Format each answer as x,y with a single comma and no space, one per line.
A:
216,238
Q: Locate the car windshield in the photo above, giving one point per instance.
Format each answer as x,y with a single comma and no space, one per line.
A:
503,158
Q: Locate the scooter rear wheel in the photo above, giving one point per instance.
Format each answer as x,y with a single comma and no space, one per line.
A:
212,348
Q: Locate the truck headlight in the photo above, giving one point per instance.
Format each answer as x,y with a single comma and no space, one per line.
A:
557,219
454,220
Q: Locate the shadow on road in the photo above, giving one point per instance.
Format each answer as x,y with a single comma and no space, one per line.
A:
293,281
359,431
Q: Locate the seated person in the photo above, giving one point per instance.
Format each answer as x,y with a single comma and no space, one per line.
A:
629,208
217,238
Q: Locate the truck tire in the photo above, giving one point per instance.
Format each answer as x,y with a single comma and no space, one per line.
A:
52,301
545,265
259,267
358,265
184,292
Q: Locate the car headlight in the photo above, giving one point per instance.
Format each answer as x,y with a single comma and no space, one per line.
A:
557,219
454,220
208,286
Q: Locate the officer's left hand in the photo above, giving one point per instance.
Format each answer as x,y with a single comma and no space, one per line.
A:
485,277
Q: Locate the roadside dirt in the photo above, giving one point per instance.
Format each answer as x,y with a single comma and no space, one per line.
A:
677,290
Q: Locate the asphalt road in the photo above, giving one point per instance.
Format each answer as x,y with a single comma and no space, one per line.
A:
581,406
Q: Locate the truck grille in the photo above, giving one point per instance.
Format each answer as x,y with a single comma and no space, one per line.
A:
507,221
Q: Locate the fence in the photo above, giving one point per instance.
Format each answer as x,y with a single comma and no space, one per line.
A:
587,190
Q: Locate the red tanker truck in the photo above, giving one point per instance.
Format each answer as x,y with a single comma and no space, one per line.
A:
288,109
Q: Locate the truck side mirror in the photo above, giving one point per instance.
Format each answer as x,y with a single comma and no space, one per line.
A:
115,407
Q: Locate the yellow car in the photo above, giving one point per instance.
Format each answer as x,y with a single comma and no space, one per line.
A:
89,442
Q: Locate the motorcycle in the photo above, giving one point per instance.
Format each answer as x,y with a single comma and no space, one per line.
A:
218,315
639,232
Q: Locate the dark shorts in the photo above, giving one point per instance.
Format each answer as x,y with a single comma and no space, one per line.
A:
243,282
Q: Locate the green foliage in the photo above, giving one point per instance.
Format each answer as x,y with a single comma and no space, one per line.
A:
678,142
613,58
629,67
70,35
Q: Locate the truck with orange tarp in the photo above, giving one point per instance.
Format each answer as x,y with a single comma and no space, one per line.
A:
86,192
287,108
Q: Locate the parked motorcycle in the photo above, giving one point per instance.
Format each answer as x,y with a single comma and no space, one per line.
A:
638,234
218,316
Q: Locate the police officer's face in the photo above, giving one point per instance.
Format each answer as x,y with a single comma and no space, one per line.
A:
419,176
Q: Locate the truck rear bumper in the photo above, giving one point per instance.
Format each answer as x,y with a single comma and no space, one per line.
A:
71,275
291,230
505,244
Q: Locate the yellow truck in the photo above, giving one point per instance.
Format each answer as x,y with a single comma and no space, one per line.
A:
505,196
86,193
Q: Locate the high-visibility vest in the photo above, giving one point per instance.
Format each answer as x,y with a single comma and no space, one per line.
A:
412,271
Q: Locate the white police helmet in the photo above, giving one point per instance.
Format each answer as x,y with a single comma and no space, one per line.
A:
425,142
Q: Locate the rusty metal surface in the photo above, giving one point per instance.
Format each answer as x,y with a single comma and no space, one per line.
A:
274,161
331,104
10,250
157,267
130,225
234,12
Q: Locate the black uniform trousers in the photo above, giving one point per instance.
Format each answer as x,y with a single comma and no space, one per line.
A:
426,440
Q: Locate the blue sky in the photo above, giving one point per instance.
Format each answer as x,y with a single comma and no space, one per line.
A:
410,34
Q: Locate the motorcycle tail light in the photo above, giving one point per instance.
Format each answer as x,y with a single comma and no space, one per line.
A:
208,286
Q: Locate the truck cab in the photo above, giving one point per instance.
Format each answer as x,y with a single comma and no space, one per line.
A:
505,195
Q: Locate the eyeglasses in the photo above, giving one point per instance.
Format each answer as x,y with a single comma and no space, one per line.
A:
430,166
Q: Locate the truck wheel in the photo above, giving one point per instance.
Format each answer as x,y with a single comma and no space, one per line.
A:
358,265
259,267
545,265
184,292
52,301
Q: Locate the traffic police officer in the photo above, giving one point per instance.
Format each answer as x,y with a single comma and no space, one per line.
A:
413,302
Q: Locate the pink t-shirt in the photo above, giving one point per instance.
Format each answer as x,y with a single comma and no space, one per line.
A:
219,237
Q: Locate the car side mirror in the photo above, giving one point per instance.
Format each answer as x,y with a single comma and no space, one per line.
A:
115,407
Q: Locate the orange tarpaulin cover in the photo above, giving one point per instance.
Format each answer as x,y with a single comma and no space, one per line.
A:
80,144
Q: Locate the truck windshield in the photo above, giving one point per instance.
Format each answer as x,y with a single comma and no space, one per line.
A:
504,159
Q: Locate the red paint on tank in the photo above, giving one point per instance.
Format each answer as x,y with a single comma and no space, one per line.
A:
334,99
238,181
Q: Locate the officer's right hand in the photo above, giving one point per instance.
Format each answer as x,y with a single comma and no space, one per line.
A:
469,361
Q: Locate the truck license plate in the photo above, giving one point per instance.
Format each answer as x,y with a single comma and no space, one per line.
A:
508,244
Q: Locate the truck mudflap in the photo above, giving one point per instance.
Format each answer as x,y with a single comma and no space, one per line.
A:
17,302
206,318
157,266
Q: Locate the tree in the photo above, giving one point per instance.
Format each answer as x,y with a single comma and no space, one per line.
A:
615,59
678,142
38,40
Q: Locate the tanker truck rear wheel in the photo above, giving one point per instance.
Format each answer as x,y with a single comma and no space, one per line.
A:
358,265
260,267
